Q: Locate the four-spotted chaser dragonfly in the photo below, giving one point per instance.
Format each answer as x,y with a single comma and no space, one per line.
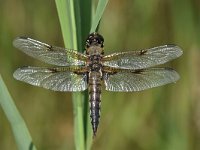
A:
74,71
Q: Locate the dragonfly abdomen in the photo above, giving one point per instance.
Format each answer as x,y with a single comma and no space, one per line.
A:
95,98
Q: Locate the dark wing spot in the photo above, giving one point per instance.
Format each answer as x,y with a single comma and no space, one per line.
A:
168,68
138,71
142,52
50,48
53,70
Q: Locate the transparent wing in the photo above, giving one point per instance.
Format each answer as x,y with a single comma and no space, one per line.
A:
49,54
137,80
143,58
57,79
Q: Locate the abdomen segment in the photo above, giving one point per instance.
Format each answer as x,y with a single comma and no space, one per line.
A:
95,99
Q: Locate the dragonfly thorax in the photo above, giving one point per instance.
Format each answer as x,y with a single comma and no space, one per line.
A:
94,50
95,67
94,62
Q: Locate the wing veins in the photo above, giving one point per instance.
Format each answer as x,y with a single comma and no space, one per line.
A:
126,80
49,54
57,79
143,58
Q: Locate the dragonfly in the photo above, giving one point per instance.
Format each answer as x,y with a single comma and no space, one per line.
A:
74,72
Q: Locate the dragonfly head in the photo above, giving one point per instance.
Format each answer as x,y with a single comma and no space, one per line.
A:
94,39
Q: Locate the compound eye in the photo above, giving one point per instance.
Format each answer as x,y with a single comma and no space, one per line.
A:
87,43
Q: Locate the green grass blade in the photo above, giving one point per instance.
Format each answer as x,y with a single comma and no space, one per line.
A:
67,19
85,14
66,16
99,12
21,133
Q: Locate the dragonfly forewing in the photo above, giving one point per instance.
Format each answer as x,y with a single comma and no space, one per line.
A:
143,58
49,54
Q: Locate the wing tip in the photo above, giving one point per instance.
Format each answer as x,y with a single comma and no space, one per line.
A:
17,39
175,76
16,74
177,48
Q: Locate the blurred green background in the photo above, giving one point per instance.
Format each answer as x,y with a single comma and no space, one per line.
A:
163,118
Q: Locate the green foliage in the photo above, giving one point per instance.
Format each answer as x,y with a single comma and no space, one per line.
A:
20,131
99,12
